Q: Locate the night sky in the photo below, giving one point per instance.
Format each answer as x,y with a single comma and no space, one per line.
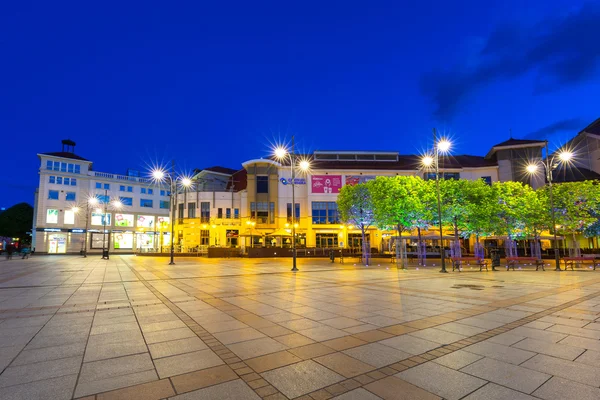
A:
136,83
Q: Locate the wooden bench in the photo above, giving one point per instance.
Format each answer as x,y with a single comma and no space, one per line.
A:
571,261
480,262
512,261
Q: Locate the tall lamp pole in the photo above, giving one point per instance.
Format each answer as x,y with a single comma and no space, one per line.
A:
104,249
173,205
281,153
443,145
563,157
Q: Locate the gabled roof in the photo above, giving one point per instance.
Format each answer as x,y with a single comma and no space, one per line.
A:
64,154
221,170
518,142
574,174
593,128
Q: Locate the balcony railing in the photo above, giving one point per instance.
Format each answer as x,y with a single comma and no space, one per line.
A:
106,175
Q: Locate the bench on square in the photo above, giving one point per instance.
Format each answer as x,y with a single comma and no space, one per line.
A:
457,262
512,261
571,261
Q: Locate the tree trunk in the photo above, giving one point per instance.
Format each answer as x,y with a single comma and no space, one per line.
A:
400,248
364,246
420,249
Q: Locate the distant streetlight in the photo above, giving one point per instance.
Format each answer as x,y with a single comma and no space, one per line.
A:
159,175
441,146
281,154
551,163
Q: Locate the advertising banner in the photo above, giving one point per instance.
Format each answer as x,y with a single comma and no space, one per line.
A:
326,183
356,179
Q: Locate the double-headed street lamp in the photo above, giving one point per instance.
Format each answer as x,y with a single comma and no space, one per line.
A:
91,202
161,175
441,146
115,205
563,157
282,154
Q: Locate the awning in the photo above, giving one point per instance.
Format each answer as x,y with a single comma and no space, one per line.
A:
280,232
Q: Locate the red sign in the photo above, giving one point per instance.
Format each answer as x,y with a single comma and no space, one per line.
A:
326,183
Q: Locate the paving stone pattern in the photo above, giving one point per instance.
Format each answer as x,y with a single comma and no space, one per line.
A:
137,328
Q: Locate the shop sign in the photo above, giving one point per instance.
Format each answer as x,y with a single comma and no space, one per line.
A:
352,180
297,181
77,230
51,230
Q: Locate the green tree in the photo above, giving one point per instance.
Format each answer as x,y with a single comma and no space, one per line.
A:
576,206
355,205
515,201
17,221
482,210
401,202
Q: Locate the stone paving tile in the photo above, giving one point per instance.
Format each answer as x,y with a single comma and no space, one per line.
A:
116,382
204,378
341,322
7,354
115,367
559,388
147,391
571,330
393,388
272,361
460,329
322,333
256,347
311,351
377,354
357,394
589,357
564,369
188,362
301,378
60,388
552,349
344,343
512,376
438,336
506,339
448,383
500,352
458,359
112,350
39,371
174,347
410,344
491,391
538,334
344,365
294,340
236,389
584,343
170,334
49,353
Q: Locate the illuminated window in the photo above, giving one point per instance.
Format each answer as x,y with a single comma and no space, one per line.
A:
52,216
69,217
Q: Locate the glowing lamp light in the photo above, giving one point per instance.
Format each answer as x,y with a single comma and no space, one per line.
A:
532,168
565,156
427,161
280,152
75,209
304,165
187,182
93,201
158,174
117,204
444,145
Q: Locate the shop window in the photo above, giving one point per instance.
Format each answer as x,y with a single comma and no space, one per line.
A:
123,241
69,217
146,203
327,240
52,216
205,211
325,212
262,184
204,237
126,201
100,240
52,194
125,220
164,204
145,221
71,196
98,219
57,243
232,237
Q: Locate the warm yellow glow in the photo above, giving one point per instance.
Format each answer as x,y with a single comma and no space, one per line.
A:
158,174
186,182
98,210
444,145
117,204
304,165
565,156
214,226
204,226
427,161
295,225
341,226
350,227
287,225
75,209
532,168
93,201
280,152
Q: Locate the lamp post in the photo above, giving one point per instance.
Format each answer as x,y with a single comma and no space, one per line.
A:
281,154
115,205
549,165
91,202
159,175
441,146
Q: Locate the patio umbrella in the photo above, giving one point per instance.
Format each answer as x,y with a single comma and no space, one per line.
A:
280,232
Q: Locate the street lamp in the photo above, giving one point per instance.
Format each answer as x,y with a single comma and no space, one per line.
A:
441,146
551,163
115,205
160,175
281,154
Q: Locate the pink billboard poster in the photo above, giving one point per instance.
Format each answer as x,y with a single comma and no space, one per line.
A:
326,183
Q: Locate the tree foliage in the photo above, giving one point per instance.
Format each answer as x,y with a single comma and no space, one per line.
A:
16,221
355,205
576,205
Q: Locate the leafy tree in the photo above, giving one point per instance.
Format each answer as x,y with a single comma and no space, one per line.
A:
482,210
576,205
16,221
514,200
355,205
401,202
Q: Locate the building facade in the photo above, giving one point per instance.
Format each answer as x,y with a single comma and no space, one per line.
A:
240,208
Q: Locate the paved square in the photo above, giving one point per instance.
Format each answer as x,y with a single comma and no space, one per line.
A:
137,328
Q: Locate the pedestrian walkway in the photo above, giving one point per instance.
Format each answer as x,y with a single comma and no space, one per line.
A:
138,328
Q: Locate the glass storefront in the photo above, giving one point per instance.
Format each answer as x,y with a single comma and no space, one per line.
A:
57,243
123,240
96,240
125,220
98,219
145,221
145,240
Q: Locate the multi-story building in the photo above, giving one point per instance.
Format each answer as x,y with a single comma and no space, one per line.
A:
240,208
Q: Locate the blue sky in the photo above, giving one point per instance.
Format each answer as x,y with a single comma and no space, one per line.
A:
136,83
